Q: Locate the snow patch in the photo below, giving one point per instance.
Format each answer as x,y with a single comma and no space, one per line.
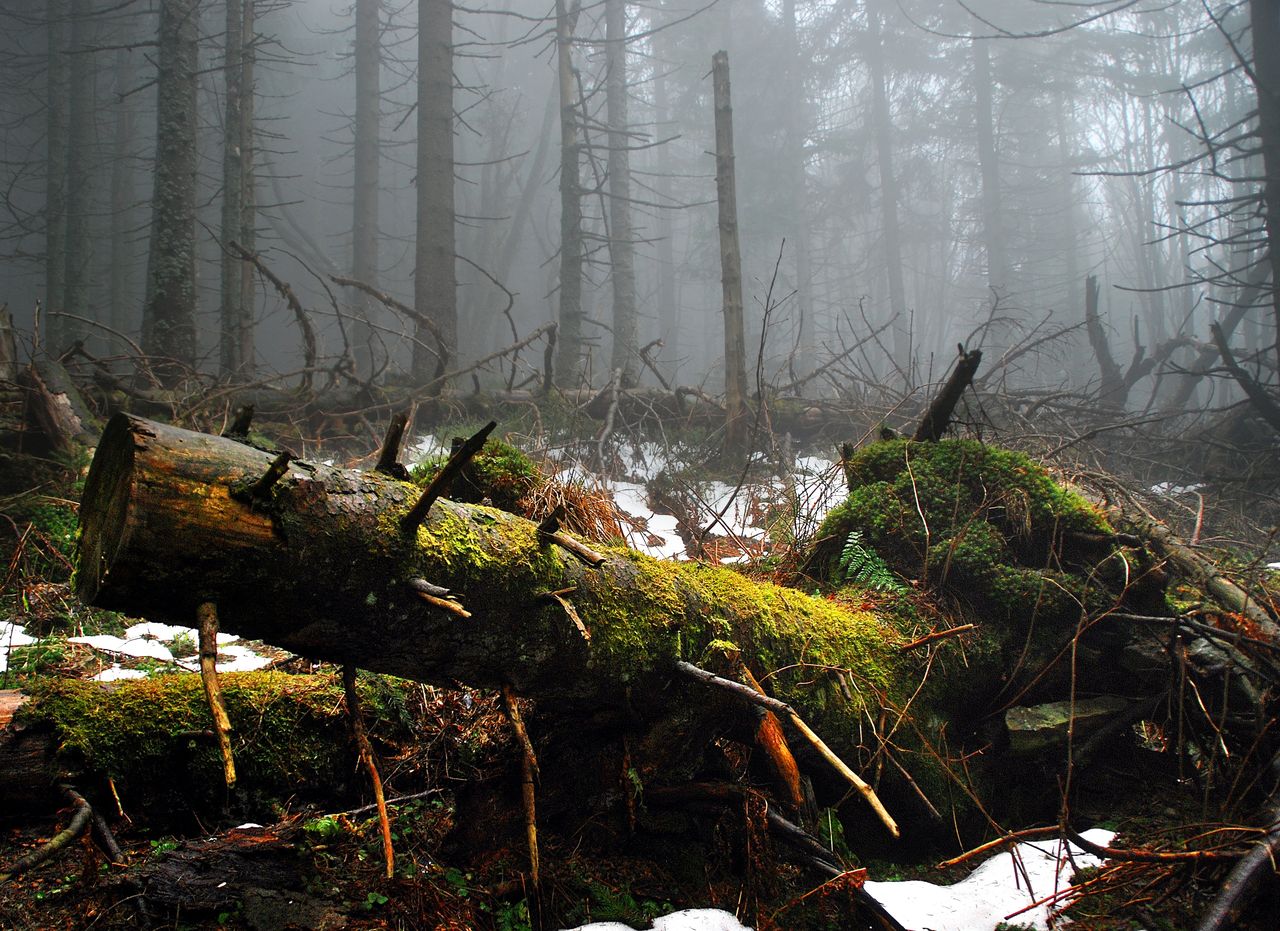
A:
231,658
140,647
996,891
691,919
116,672
12,635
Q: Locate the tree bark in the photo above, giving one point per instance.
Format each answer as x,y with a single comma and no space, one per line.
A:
625,356
169,311
364,202
317,564
56,174
735,353
569,333
78,253
235,328
434,283
989,162
1264,21
122,294
882,123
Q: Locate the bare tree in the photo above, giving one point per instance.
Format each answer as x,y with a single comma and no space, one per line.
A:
434,283
169,311
626,358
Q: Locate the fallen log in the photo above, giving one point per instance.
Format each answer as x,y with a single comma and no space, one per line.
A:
320,562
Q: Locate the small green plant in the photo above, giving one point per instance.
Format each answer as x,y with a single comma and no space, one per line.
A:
162,845
326,828
37,659
511,916
861,565
374,900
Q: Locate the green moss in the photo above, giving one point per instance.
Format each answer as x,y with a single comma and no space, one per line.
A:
499,472
148,735
992,537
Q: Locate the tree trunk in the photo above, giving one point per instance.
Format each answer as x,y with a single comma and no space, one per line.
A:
988,159
735,353
80,140
364,203
248,180
626,356
434,283
122,295
1264,20
233,323
169,312
569,333
170,520
56,175
882,123
798,195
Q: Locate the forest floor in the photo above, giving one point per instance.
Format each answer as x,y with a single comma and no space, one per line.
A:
319,853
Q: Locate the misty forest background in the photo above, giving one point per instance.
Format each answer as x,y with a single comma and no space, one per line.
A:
909,176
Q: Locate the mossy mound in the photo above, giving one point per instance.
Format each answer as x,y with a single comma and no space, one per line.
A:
152,737
990,538
499,472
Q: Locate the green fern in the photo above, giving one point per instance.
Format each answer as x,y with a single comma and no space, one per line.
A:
862,566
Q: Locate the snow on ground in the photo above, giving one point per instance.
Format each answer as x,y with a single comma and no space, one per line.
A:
1169,488
691,919
242,659
138,647
1007,887
12,635
996,891
115,672
144,641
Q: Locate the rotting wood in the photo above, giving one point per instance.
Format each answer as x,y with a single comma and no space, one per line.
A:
934,423
389,454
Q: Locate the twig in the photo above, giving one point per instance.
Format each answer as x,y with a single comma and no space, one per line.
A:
937,635
747,693
549,532
207,618
528,775
60,840
366,757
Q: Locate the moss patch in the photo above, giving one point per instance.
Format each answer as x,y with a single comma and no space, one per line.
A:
148,735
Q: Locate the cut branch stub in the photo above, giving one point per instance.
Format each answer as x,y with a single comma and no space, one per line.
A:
238,429
439,596
444,478
389,455
938,417
261,489
549,532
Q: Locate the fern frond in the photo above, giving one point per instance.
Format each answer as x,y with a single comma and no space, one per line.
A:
861,565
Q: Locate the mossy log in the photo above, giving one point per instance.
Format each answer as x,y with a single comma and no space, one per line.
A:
316,561
318,564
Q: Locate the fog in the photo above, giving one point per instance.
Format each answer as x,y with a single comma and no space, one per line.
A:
909,176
